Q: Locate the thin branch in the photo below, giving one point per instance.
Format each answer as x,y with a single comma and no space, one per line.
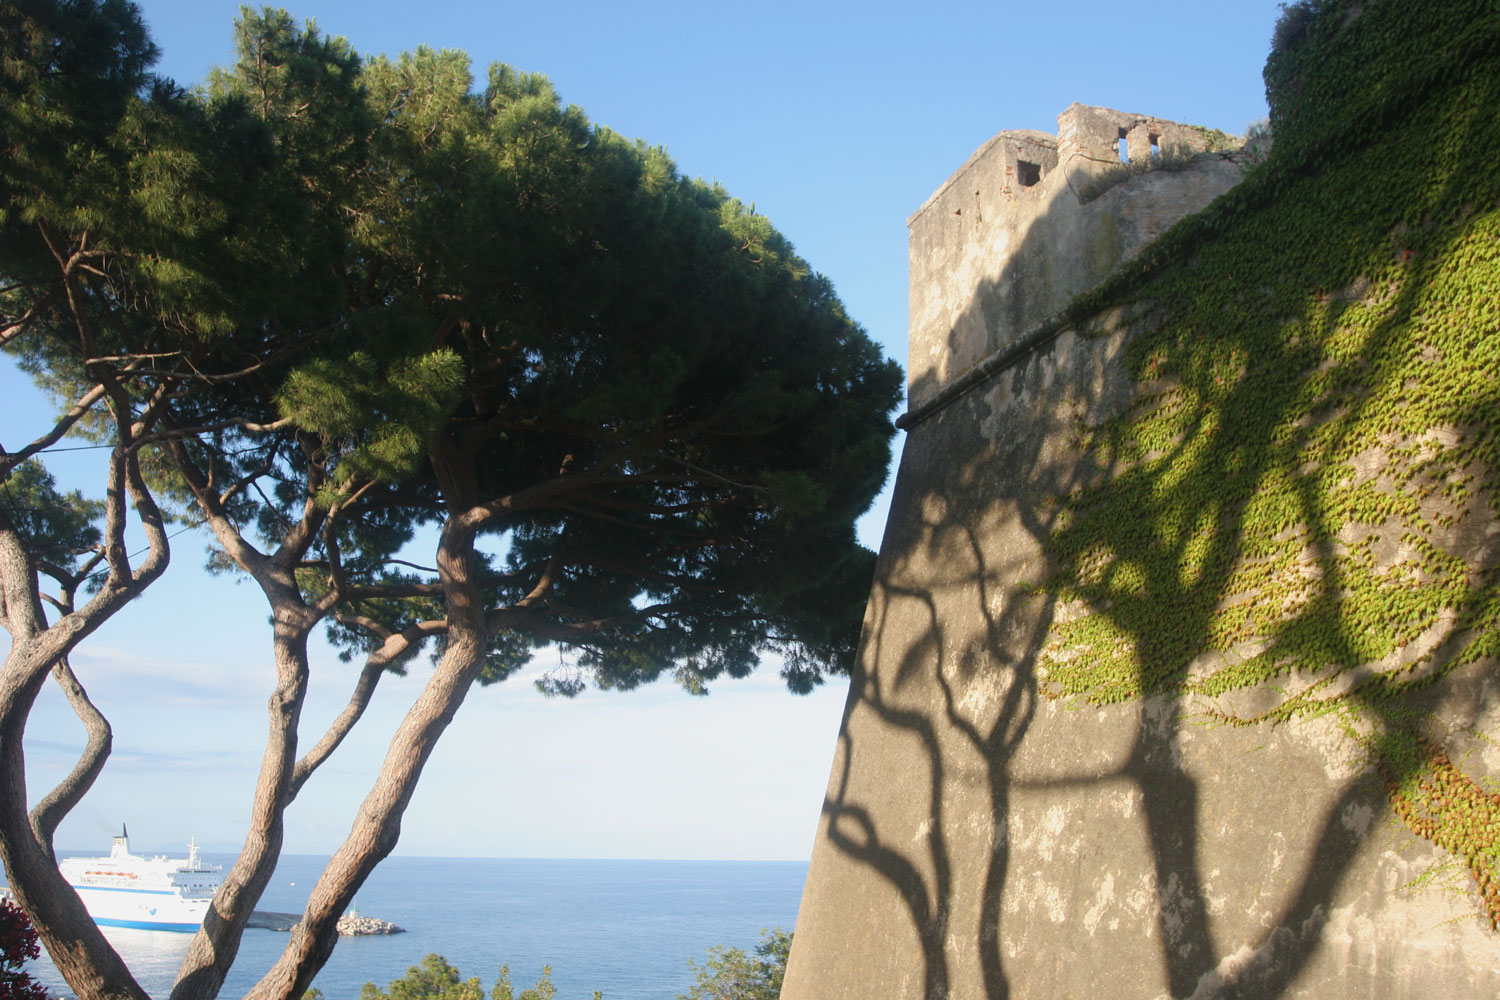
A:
544,583
337,579
49,812
315,518
357,592
144,356
151,522
379,630
235,545
646,507
60,574
16,327
114,515
246,480
403,562
553,492
64,424
376,663
700,471
263,359
595,514
249,426
574,632
683,581
286,523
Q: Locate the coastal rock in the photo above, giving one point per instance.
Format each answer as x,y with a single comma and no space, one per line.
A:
350,926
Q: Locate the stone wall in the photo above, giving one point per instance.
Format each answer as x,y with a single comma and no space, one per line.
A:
982,840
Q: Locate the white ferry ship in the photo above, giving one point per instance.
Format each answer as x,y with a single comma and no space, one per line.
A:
160,893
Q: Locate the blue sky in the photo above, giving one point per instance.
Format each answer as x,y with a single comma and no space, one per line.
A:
837,120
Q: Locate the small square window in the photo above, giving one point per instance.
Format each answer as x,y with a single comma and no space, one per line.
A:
1028,173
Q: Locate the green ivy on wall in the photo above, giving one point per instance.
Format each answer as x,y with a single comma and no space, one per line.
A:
1297,500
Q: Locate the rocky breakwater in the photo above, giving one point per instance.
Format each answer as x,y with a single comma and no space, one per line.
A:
353,925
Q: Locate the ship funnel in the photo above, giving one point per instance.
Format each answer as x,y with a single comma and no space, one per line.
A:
120,848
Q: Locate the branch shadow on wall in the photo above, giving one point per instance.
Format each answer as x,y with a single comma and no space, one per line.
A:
959,619
936,566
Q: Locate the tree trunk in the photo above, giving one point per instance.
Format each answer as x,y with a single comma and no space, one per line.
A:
74,942
214,947
377,825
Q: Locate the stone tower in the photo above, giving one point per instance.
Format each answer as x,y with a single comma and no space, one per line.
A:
982,841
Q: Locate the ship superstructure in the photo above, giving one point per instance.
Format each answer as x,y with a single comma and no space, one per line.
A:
160,893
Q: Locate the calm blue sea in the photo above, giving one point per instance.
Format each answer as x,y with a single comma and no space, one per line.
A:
627,928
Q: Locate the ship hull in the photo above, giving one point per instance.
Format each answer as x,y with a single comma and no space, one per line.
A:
157,911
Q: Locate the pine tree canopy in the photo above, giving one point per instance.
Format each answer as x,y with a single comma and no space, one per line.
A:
464,304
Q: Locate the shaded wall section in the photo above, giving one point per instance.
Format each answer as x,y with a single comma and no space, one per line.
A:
983,837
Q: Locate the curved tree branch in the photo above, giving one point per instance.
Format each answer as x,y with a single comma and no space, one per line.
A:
394,646
77,947
61,800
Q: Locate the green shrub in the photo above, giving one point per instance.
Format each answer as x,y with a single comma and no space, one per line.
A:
733,975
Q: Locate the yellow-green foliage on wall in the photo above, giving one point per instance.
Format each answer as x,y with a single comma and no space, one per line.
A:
1299,500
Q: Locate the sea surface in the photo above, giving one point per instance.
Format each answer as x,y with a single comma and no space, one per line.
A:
627,928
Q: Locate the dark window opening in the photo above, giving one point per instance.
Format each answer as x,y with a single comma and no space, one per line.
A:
1028,173
1156,147
1120,148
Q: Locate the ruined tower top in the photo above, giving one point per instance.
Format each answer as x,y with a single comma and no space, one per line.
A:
1033,219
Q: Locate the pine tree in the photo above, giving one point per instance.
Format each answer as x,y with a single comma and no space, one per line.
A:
332,300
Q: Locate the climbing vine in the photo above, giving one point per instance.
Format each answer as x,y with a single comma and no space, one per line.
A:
1298,498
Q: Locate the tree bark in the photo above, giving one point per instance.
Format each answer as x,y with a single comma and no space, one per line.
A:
377,825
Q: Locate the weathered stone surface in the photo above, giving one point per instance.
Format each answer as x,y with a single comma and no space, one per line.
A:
992,257
982,841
